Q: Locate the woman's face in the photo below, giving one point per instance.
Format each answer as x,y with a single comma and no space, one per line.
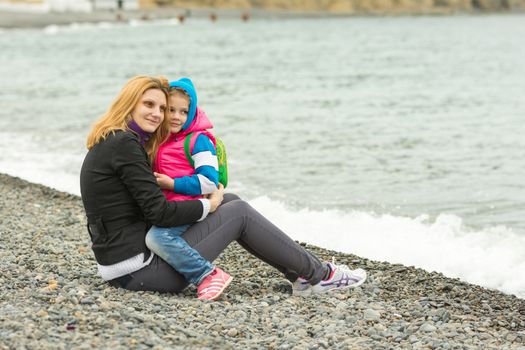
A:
149,111
179,106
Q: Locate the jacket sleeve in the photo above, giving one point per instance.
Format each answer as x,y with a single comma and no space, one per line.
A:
133,168
206,177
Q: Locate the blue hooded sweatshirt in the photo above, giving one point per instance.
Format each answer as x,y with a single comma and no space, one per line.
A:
187,85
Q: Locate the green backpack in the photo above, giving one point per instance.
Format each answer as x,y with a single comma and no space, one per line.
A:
221,157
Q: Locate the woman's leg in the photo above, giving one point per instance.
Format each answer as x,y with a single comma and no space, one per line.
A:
237,220
292,276
228,197
167,243
158,276
234,220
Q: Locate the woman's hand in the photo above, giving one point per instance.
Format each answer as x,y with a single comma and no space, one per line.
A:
165,182
216,198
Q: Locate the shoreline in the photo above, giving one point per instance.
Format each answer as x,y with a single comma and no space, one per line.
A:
16,19
11,19
52,297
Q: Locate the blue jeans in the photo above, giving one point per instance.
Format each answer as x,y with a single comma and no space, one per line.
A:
167,243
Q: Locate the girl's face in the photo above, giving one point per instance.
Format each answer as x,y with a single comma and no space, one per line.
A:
178,114
149,111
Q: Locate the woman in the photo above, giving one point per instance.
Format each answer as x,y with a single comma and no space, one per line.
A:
122,200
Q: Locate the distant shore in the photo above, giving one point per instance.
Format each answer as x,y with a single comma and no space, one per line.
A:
51,297
37,20
12,19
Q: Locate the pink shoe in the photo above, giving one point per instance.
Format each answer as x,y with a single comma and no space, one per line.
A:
213,285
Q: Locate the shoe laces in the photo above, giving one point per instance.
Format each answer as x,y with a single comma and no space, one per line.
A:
341,266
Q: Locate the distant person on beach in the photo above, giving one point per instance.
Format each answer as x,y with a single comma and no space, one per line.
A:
182,179
122,200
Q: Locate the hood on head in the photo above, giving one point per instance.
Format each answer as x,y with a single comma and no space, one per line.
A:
187,85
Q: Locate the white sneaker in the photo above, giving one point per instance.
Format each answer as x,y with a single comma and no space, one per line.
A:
301,287
341,277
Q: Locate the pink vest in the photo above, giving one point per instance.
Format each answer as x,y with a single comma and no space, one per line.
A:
171,159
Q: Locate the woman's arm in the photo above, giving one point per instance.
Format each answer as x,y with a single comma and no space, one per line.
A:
132,166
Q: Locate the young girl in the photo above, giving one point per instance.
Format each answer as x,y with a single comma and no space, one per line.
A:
182,181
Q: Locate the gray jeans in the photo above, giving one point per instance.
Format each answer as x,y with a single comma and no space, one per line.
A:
234,220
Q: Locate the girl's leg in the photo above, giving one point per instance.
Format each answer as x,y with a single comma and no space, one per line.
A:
237,220
167,243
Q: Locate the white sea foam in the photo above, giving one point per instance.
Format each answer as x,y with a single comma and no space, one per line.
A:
51,29
153,22
79,26
44,174
491,257
26,158
105,25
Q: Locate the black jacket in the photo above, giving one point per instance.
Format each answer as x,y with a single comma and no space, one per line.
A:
122,199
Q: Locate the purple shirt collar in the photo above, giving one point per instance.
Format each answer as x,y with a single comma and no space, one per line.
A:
143,135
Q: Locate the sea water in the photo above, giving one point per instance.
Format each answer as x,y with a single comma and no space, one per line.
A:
398,139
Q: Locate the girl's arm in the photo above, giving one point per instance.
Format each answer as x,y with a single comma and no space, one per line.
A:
206,177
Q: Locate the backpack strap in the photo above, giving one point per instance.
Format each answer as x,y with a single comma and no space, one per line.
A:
220,153
187,141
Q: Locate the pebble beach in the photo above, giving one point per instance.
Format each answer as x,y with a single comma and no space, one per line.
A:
52,297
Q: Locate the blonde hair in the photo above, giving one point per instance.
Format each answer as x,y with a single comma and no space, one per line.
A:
118,116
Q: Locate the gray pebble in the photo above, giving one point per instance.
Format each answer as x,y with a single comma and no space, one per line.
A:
427,327
371,315
399,307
